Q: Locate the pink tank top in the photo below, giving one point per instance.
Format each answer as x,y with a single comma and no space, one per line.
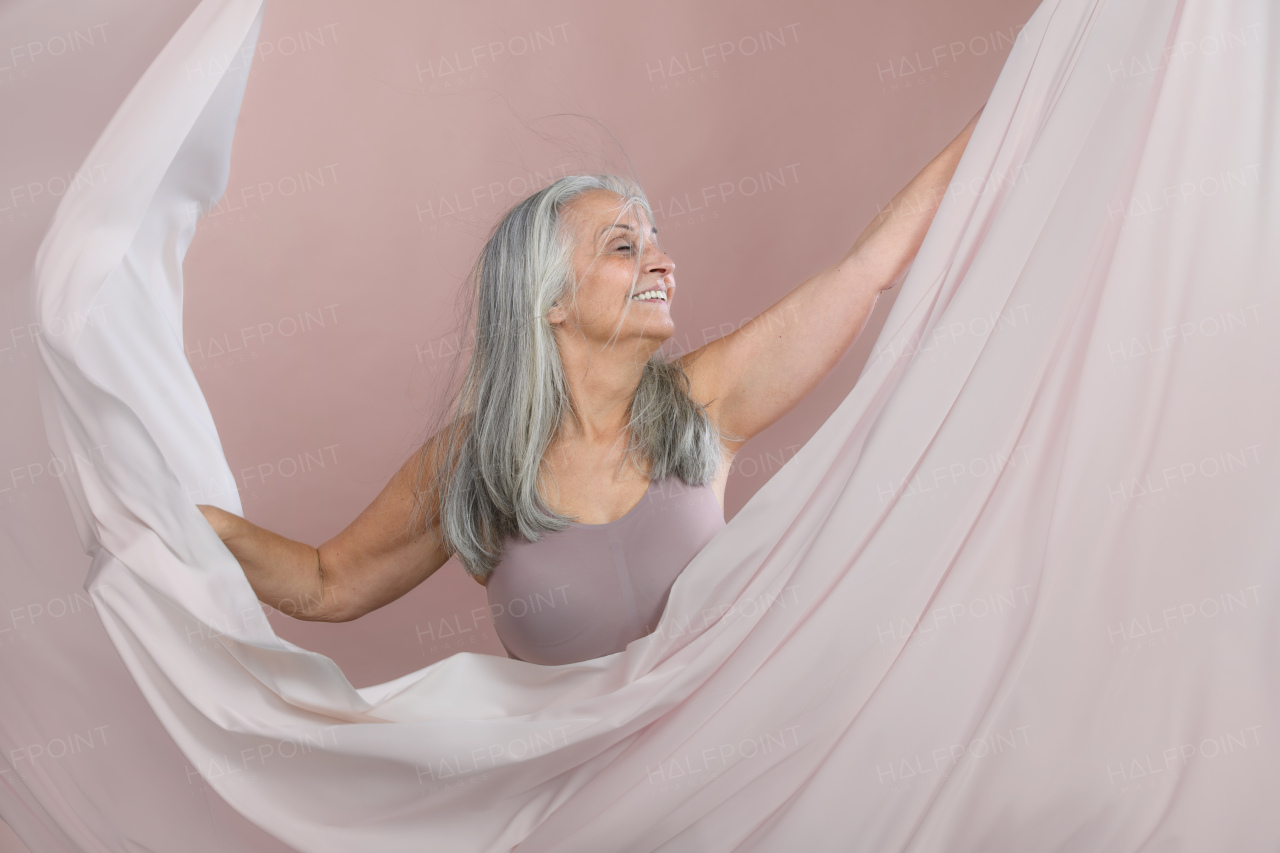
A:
590,589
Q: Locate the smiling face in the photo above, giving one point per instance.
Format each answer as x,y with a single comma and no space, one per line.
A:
616,261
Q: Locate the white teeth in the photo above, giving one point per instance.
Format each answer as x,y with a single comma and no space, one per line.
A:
652,294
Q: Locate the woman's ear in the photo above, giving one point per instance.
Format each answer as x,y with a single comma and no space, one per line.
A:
556,315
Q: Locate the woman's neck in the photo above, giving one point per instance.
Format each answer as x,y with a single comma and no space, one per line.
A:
602,383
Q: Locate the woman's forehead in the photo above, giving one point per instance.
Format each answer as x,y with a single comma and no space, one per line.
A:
596,210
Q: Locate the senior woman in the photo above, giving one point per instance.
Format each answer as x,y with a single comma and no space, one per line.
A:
578,471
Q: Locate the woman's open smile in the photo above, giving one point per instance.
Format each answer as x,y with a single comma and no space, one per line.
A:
657,295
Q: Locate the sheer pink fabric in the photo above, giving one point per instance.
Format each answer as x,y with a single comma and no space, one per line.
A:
1018,593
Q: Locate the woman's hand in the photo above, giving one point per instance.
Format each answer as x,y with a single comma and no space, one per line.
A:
885,249
283,573
217,518
378,557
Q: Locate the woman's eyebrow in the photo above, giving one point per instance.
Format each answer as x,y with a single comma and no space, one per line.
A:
653,230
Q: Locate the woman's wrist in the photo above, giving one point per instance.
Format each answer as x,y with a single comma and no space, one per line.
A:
284,573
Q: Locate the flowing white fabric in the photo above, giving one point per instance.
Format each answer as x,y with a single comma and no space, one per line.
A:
1018,593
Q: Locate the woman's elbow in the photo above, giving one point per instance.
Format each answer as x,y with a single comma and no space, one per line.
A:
313,608
329,600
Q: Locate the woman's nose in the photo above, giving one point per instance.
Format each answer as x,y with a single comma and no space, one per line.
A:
658,261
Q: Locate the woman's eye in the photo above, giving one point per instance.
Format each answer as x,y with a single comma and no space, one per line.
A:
625,246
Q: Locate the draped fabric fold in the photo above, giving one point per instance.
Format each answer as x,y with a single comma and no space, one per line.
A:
1017,593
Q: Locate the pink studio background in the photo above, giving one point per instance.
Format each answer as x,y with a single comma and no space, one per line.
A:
376,146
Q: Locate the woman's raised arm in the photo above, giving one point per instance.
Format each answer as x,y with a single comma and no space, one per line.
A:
374,561
752,376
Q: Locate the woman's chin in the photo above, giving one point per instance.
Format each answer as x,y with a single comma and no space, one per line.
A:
658,332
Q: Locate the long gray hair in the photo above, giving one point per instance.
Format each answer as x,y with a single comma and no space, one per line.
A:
514,398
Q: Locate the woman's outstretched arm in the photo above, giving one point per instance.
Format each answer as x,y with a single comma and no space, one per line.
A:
374,561
752,376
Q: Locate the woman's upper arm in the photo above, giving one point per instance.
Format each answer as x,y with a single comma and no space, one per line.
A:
703,367
379,556
754,375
